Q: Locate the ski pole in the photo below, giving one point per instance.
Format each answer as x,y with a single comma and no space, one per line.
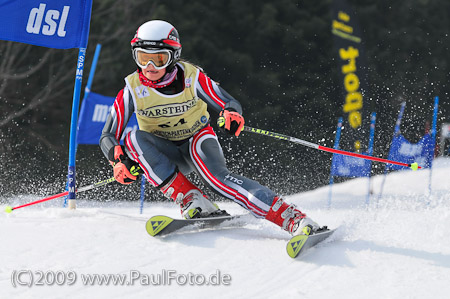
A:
413,166
134,171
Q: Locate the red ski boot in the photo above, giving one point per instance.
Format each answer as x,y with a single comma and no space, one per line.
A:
193,203
290,219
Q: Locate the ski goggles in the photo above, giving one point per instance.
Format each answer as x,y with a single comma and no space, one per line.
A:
159,58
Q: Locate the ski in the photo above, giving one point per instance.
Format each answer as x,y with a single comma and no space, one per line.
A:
163,225
299,244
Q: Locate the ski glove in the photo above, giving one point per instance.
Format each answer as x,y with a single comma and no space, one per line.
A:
125,170
231,122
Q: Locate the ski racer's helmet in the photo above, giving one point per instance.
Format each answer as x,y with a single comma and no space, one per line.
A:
156,42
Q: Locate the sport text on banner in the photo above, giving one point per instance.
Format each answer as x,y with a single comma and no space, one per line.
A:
350,53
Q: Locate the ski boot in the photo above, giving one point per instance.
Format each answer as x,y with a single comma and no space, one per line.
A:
290,219
193,203
197,205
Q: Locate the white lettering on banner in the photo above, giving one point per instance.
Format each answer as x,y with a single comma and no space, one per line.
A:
410,150
354,161
100,113
342,170
50,17
81,60
80,64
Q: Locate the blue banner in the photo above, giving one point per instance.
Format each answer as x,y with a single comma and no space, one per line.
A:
406,152
61,24
346,166
94,111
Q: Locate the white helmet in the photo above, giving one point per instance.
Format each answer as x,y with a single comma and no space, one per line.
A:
156,35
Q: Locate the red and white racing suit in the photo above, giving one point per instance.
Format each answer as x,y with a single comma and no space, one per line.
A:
174,133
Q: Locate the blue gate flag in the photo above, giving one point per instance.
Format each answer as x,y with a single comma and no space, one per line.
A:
94,111
406,152
345,166
61,24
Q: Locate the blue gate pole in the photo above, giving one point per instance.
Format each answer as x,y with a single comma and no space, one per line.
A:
370,149
143,181
336,146
433,137
87,90
73,129
396,132
86,93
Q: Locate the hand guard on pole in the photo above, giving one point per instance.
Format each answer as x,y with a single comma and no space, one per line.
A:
125,170
230,122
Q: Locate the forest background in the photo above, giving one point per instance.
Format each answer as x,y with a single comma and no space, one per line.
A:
275,57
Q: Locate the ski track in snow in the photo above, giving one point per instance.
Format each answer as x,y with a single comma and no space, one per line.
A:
396,247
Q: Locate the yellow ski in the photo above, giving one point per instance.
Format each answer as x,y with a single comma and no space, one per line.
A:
163,225
156,224
301,243
295,245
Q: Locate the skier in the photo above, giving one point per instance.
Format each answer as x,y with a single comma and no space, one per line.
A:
170,97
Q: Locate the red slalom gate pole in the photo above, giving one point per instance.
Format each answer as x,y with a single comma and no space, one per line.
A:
38,201
9,209
413,166
336,151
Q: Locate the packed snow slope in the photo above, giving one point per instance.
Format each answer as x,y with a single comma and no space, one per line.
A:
397,246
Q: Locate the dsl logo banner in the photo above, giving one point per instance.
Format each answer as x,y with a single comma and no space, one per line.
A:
61,24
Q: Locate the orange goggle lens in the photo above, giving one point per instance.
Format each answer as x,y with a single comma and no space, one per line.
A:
158,59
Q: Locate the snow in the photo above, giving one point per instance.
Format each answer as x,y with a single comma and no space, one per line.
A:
397,246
